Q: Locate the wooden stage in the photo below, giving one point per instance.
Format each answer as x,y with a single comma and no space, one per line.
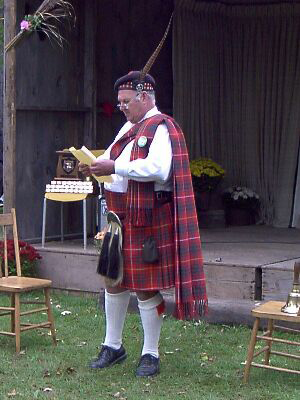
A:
243,265
246,262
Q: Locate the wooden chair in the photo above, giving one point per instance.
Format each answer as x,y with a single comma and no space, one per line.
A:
270,311
17,285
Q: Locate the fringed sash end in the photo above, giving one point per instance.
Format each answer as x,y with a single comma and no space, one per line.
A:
192,310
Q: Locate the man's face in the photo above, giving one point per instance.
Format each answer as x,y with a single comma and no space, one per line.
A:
132,105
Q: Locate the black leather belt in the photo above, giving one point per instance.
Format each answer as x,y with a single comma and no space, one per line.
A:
163,197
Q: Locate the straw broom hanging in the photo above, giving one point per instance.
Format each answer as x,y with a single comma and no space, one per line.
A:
44,19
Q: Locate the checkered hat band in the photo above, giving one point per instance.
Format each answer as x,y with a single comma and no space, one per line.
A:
129,86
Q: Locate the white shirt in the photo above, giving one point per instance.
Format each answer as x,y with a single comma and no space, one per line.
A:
155,167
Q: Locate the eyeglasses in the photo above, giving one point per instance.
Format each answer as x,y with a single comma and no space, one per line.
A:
125,104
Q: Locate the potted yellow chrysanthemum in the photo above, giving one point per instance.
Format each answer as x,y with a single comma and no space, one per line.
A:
206,175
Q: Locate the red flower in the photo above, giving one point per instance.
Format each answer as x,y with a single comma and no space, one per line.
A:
10,256
27,252
108,109
10,245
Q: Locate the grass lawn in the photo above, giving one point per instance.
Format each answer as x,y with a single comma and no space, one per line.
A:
198,361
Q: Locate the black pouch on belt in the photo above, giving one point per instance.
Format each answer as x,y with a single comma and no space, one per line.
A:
150,250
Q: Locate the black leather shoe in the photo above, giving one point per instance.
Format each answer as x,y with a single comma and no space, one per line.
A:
148,366
108,357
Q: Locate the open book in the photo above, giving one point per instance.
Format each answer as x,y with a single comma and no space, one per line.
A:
85,156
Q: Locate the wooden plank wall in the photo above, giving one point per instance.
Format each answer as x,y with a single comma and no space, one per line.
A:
277,280
9,109
128,31
230,281
50,116
60,93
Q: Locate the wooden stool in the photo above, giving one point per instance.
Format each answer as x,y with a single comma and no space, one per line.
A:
270,311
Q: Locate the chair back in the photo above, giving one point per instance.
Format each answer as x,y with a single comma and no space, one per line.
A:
8,224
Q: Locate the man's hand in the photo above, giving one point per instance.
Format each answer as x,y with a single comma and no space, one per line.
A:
102,167
84,169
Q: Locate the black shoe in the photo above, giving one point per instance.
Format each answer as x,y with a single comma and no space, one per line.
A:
108,357
148,366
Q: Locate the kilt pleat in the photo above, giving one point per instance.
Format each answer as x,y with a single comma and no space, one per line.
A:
139,275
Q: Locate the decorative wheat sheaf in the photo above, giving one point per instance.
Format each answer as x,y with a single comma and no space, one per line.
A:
45,19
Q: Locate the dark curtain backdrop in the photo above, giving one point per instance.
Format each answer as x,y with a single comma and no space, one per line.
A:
237,94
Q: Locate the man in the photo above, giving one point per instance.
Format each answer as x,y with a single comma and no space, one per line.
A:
152,194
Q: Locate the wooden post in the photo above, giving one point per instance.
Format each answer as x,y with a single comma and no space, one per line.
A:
90,91
9,108
89,76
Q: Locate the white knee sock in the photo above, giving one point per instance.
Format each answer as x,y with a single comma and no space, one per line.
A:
151,317
115,311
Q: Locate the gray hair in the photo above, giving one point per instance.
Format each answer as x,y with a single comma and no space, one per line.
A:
151,96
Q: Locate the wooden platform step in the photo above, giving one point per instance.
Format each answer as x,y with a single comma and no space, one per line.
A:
73,271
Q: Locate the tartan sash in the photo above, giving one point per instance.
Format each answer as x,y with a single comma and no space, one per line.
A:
119,146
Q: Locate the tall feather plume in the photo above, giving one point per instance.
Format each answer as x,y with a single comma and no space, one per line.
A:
54,10
153,57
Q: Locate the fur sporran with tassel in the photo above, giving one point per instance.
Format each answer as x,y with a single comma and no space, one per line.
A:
110,263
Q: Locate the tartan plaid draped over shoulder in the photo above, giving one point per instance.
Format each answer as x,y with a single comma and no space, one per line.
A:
190,287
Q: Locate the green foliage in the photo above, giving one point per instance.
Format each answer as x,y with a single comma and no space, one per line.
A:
34,21
28,268
198,361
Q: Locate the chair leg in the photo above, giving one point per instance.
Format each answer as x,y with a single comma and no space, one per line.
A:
50,315
12,314
44,221
84,225
269,342
251,350
62,221
17,322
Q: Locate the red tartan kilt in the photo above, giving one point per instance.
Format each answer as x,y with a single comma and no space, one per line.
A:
139,275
